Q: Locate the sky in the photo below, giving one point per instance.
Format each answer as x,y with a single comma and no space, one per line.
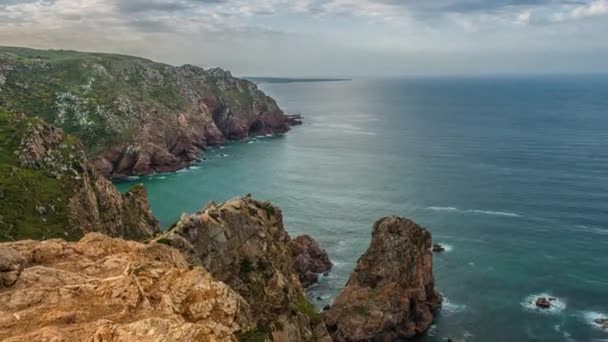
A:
326,38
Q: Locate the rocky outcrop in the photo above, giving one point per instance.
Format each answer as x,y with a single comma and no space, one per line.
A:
243,243
50,190
135,116
104,289
391,293
309,259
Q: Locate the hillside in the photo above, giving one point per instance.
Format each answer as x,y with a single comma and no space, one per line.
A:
48,188
135,116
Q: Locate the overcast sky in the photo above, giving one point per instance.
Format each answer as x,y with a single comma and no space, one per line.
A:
326,37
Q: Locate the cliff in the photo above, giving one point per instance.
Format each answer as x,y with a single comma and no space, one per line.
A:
135,116
243,243
104,289
391,293
48,188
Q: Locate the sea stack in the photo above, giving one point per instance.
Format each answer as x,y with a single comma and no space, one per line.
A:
391,293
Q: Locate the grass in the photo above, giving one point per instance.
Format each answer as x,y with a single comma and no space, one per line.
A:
304,306
260,334
25,191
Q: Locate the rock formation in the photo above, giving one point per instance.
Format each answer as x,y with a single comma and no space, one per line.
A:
544,303
49,189
243,243
391,293
309,259
602,322
104,289
135,116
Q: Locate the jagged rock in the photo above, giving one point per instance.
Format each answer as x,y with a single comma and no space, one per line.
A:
309,259
104,289
135,116
391,293
243,243
52,191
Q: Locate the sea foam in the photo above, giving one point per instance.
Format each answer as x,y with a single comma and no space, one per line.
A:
591,316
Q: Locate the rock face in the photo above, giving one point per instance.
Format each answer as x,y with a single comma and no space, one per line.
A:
135,116
391,293
309,259
104,289
50,190
243,243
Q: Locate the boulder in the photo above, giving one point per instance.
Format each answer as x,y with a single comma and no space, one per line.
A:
391,293
309,259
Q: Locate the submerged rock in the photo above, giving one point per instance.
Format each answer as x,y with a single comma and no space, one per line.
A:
391,293
104,289
309,259
243,243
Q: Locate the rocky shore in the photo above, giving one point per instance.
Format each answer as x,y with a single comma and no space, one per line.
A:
226,273
80,261
134,116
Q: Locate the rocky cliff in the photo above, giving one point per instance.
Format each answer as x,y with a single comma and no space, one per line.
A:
243,243
103,289
48,188
391,293
135,116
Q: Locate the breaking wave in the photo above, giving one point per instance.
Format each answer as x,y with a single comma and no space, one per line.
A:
473,211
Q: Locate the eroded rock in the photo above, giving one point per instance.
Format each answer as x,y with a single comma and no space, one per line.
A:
309,259
391,294
102,289
243,243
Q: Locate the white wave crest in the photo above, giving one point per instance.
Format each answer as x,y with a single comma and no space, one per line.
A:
449,307
473,211
591,316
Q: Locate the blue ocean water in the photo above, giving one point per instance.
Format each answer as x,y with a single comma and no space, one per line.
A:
510,173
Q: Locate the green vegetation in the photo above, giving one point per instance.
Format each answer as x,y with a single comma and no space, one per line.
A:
361,310
164,241
33,202
269,209
97,97
260,334
304,306
102,98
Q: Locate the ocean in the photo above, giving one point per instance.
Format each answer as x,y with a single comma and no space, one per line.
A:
509,173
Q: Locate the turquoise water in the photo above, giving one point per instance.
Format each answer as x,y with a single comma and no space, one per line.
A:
510,173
